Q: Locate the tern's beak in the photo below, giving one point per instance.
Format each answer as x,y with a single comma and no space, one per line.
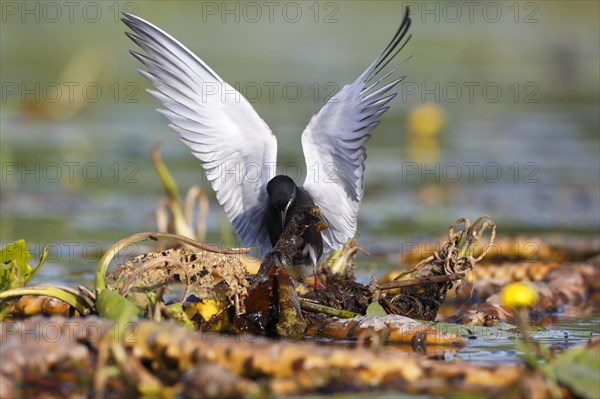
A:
284,212
283,218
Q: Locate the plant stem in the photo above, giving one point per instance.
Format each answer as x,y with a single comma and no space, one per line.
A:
422,280
70,298
315,307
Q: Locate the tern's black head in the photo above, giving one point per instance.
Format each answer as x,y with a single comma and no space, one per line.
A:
285,198
282,192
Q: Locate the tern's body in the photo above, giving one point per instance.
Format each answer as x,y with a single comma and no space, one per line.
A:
285,198
224,131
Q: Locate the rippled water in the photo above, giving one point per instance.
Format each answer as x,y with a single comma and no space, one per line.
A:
565,333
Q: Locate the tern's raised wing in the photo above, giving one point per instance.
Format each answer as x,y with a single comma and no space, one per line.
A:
234,145
333,142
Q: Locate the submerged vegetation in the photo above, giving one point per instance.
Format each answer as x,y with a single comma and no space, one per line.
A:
202,321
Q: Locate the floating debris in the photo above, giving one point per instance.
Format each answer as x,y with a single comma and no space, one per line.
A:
161,359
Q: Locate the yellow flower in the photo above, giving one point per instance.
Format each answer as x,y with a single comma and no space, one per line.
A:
518,295
426,120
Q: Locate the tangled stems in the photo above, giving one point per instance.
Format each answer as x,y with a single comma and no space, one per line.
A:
119,245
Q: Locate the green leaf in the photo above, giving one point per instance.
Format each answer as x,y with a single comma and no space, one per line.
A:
579,368
112,305
176,312
375,310
15,271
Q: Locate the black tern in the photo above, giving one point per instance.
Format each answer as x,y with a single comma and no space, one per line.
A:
225,133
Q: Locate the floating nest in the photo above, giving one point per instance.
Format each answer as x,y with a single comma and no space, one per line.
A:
208,289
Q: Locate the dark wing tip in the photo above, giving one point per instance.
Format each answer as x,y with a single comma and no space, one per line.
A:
398,42
129,19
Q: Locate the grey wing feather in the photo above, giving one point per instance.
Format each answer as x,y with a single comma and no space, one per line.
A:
333,142
234,145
